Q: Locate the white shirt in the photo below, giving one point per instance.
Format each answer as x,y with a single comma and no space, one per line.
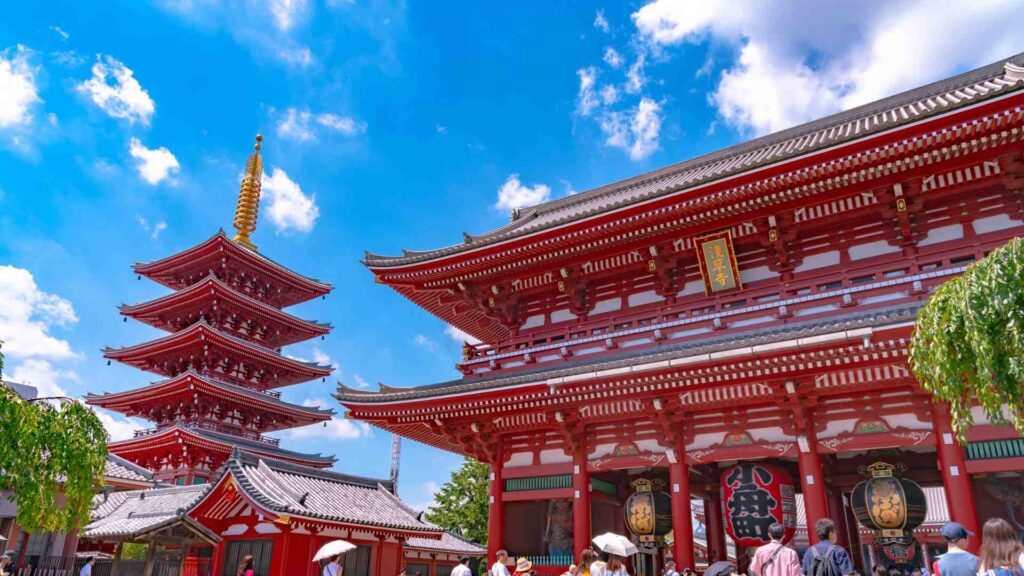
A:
461,570
499,569
86,570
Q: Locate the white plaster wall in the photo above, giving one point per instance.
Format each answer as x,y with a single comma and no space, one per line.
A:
772,434
519,459
609,305
533,321
883,297
877,248
650,446
908,420
602,450
693,332
830,258
561,316
994,223
636,342
942,234
555,456
641,298
816,310
751,321
705,440
692,287
755,274
836,427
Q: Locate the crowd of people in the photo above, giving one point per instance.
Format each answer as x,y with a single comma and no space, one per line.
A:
1001,554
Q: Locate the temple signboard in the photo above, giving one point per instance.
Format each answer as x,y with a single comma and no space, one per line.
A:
717,261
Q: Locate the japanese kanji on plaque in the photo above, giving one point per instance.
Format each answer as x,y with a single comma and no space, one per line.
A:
756,496
717,262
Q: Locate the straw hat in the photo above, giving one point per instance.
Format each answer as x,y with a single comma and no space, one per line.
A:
523,565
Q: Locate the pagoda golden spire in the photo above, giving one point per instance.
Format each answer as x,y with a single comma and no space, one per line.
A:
249,198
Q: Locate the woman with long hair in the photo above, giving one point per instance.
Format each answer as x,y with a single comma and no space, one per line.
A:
1000,550
615,566
245,566
586,559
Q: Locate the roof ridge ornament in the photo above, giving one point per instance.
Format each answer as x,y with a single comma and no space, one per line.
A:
249,197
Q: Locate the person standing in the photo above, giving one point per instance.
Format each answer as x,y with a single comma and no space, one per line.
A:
615,566
463,568
586,559
826,558
7,563
775,558
499,567
332,567
87,567
670,569
1000,550
957,561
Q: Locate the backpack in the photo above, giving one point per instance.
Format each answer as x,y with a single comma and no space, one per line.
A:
824,564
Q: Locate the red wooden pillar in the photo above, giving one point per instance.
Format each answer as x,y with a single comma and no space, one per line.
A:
714,524
812,479
955,480
835,505
581,499
495,512
682,520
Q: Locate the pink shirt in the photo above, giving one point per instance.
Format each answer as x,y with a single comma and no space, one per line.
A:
786,562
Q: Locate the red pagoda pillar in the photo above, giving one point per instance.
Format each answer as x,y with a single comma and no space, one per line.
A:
495,512
955,480
714,524
682,520
812,479
581,498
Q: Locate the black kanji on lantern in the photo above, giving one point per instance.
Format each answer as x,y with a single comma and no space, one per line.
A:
751,504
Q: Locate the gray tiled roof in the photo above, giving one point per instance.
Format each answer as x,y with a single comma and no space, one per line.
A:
872,318
448,543
135,512
926,101
121,469
306,492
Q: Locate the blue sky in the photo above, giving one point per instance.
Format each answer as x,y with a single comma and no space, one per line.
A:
124,127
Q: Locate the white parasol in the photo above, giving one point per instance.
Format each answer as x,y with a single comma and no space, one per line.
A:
615,544
332,549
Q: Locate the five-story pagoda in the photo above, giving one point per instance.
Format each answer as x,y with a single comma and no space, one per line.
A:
221,359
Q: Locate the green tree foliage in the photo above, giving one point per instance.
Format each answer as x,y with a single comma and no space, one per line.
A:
48,448
968,345
461,504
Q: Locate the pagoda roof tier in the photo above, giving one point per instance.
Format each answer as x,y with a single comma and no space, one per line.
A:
209,351
191,388
242,268
938,98
229,310
180,440
849,327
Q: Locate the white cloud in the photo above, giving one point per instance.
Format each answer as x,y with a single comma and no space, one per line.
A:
115,90
459,335
636,131
601,23
422,496
18,91
586,98
513,194
154,230
287,12
787,72
360,381
609,95
60,32
343,124
441,129
612,57
289,209
27,314
42,374
322,358
333,429
635,78
299,56
118,427
154,165
300,125
315,403
424,342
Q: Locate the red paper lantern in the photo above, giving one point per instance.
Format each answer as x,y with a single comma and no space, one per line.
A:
756,496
